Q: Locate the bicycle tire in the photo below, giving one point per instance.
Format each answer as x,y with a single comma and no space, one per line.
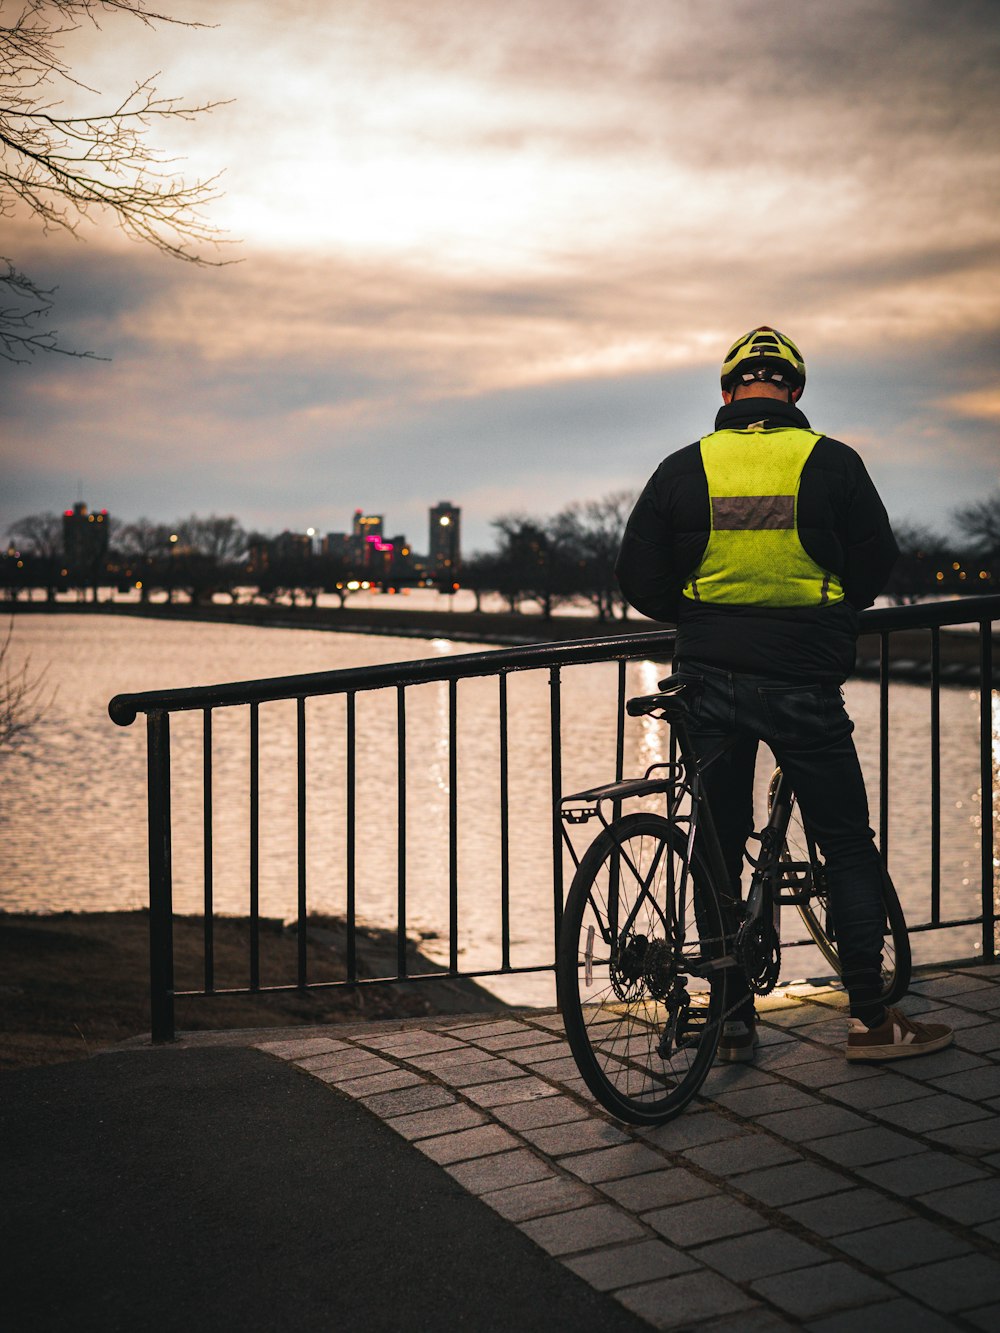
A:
616,1014
896,957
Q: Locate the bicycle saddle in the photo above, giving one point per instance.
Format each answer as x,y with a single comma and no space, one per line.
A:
669,702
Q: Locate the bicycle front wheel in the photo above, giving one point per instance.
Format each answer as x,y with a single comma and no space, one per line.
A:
818,916
639,969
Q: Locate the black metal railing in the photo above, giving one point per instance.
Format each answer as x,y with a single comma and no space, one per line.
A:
553,658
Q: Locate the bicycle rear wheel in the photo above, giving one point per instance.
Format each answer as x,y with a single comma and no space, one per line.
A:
641,1001
817,914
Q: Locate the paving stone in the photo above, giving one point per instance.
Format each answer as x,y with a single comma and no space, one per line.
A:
789,1053
551,1022
543,1111
820,1290
474,1031
441,1120
629,1159
985,1038
294,1050
882,1090
345,1056
979,1000
779,1185
987,1318
770,1038
978,1139
812,1122
559,1140
953,1059
522,1089
952,984
829,1073
411,1043
421,1098
442,1060
676,1302
797,1016
759,1254
955,1284
916,1175
688,1224
657,1189
958,1018
364,1087
973,1083
554,1195
733,1077
689,1130
562,1069
582,1229
749,1153
500,1171
864,1146
369,1064
901,1244
976,1201
755,1319
468,1143
510,1041
534,1055
473,1075
838,1214
898,1316
991,1231
768,1097
934,1112
625,1265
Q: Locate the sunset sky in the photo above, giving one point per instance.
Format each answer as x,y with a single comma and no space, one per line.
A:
493,252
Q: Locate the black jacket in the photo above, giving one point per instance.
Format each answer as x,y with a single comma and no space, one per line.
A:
842,524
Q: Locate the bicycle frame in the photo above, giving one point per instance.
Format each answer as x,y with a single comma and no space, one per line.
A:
683,778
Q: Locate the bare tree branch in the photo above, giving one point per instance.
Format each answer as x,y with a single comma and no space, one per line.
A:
66,168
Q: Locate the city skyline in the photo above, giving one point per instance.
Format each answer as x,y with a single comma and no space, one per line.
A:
509,269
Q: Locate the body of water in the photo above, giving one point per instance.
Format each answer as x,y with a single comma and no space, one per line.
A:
74,800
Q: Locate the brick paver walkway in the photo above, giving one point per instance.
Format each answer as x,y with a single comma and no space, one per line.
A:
802,1192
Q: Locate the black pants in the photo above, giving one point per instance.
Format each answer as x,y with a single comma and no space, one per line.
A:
810,734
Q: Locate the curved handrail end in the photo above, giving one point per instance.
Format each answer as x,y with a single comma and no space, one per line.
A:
121,711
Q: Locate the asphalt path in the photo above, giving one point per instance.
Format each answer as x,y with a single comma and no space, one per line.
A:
222,1189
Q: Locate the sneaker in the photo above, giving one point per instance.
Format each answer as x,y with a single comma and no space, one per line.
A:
897,1038
737,1043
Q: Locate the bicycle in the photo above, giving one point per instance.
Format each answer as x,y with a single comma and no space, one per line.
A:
648,935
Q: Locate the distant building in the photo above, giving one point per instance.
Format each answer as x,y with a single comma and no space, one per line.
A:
445,538
85,539
293,546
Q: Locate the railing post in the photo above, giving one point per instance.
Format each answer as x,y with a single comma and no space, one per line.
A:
161,921
986,787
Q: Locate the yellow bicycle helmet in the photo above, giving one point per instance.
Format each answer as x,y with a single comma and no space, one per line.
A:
763,354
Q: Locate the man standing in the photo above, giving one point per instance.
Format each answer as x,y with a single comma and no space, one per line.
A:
762,542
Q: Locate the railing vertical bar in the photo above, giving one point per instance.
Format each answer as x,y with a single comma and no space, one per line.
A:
986,786
883,745
401,827
935,775
208,909
453,826
555,731
254,846
352,956
161,917
620,738
504,830
300,711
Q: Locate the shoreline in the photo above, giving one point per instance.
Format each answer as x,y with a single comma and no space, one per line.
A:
909,650
77,982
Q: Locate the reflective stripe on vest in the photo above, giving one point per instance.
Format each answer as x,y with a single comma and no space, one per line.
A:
754,555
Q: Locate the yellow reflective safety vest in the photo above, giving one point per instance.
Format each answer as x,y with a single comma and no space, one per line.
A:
754,555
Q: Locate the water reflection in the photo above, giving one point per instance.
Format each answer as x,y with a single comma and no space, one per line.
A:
74,826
